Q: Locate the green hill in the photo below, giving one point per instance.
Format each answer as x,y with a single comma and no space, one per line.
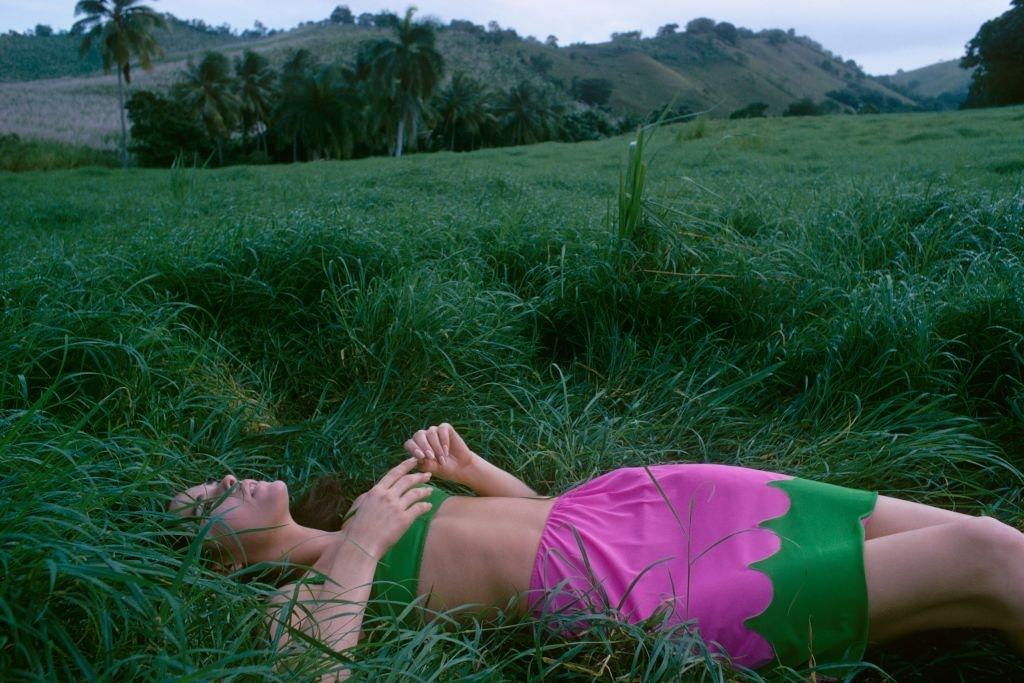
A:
45,91
28,58
938,80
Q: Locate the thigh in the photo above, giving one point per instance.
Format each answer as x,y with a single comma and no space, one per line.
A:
894,515
929,578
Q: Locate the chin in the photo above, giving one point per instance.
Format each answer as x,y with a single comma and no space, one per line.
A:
278,492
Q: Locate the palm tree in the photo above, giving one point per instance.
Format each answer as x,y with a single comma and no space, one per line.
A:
207,90
255,82
408,67
463,108
122,28
528,115
298,66
321,111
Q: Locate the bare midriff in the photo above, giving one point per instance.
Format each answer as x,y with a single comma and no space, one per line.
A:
480,552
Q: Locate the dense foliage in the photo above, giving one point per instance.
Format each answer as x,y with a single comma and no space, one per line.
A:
17,154
836,298
754,110
121,30
390,98
163,130
998,53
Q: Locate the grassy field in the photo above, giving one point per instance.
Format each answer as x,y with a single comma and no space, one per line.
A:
836,298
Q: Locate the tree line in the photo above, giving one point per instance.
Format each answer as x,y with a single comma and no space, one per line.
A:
997,52
392,99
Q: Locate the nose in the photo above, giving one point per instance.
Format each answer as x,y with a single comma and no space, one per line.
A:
228,481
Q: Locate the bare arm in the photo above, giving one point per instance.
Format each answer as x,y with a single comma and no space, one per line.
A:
487,479
333,613
441,451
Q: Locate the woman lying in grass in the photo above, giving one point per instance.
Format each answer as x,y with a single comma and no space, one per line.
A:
766,567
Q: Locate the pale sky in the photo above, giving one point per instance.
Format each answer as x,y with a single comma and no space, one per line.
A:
881,35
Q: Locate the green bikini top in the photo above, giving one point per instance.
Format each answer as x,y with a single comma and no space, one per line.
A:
398,570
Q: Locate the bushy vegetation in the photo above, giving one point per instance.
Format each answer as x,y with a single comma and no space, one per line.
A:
312,110
754,110
836,299
862,100
998,53
17,154
803,107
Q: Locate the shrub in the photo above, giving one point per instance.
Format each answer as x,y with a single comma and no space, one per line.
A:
776,37
592,91
541,63
727,32
342,15
17,154
589,124
804,107
163,129
700,25
754,110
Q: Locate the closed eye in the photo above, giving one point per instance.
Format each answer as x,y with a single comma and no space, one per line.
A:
204,505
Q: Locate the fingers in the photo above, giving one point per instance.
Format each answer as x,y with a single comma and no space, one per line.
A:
414,448
445,432
416,493
426,443
397,472
434,439
409,482
431,443
420,508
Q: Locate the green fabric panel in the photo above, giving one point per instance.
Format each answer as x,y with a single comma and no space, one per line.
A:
819,607
398,570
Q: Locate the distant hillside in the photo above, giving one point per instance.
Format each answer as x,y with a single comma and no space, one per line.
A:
940,86
935,80
703,71
29,58
698,70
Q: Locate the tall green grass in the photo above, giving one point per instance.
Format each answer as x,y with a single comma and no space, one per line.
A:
17,154
823,302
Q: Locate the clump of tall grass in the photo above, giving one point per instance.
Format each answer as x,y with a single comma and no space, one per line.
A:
17,154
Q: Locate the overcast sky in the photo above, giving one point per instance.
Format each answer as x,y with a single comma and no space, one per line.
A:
881,35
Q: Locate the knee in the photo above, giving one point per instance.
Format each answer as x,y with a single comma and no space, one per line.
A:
996,549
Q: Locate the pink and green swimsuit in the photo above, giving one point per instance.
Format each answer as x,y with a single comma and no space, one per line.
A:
765,567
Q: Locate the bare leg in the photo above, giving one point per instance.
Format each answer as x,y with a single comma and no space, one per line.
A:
967,573
893,516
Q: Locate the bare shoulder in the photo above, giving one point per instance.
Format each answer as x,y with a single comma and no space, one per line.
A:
290,605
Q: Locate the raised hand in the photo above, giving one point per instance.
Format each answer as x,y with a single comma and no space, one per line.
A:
441,451
381,515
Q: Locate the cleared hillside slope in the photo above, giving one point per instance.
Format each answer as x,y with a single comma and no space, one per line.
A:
700,71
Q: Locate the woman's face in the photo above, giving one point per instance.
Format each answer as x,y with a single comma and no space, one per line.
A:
245,513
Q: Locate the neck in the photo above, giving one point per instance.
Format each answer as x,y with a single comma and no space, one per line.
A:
302,546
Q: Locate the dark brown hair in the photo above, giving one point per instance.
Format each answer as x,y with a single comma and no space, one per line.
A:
324,503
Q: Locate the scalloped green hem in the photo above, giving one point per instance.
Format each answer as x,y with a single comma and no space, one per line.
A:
819,607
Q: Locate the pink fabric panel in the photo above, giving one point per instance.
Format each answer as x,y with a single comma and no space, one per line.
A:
703,557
